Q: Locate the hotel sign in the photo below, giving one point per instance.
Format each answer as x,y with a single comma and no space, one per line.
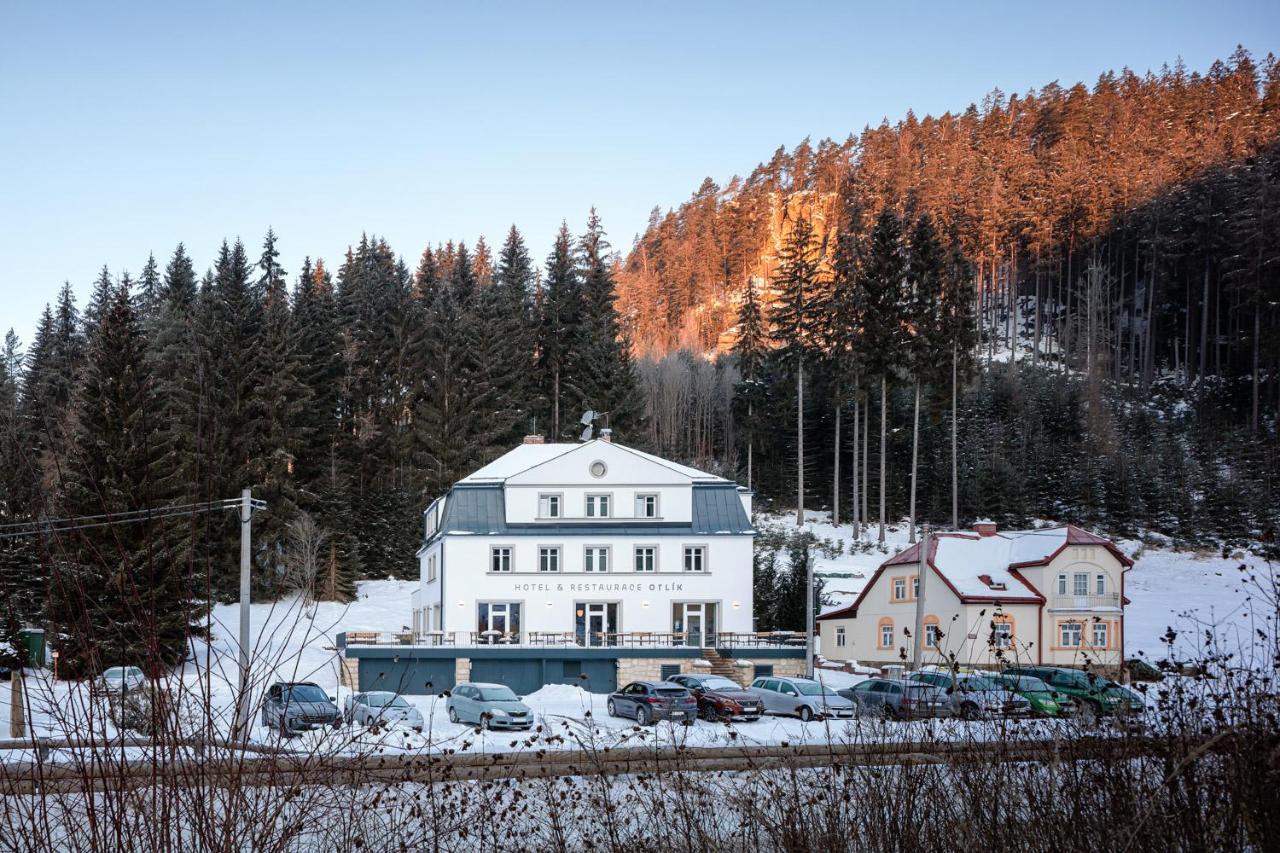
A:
600,587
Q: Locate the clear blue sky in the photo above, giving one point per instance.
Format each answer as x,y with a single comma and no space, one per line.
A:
126,127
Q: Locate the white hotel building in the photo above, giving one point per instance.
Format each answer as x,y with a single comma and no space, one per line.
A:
589,544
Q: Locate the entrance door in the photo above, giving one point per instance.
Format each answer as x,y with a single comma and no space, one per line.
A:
596,623
696,620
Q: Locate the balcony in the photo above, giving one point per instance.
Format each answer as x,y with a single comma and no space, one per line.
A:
561,639
1109,600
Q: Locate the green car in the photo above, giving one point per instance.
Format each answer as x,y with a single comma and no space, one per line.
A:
1045,701
1092,694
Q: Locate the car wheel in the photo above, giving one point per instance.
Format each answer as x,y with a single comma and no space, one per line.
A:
889,713
642,716
611,708
1090,712
417,729
284,728
969,711
806,713
484,722
453,715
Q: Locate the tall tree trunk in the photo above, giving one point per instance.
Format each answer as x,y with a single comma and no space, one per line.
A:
799,442
884,424
1257,332
866,475
915,447
855,492
555,406
835,471
1035,349
955,463
1204,322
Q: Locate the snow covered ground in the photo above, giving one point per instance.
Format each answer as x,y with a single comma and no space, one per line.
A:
1190,592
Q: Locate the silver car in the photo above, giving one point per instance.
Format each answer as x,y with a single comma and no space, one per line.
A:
975,696
491,706
381,708
121,679
803,697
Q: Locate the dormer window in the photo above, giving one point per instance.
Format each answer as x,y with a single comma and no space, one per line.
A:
597,506
646,506
549,506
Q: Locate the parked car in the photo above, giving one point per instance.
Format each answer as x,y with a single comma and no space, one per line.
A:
974,696
298,706
490,706
1045,701
120,679
1094,695
380,708
897,700
649,701
1141,670
721,698
803,697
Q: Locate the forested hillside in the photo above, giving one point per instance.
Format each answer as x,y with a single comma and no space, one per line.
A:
347,402
1115,338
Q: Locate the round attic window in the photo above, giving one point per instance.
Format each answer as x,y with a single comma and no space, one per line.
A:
598,469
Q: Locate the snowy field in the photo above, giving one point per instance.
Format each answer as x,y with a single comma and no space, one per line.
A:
1187,591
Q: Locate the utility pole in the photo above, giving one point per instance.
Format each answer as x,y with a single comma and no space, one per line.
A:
921,571
240,731
808,613
17,711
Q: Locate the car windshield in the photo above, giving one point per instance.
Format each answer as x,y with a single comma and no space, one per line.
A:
979,682
385,700
498,694
1026,684
719,684
305,693
810,688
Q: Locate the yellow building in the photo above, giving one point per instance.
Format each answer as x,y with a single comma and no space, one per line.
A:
1051,596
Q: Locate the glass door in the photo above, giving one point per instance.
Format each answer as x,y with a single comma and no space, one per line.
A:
596,623
696,621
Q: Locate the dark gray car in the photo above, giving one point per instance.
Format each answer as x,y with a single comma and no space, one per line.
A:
298,706
649,701
898,700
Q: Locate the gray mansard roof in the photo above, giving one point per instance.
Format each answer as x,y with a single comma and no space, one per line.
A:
479,510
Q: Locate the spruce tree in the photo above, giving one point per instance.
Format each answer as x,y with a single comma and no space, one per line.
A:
845,336
922,330
558,333
116,597
750,395
795,325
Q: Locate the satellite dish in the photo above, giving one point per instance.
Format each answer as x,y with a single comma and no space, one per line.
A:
588,417
586,434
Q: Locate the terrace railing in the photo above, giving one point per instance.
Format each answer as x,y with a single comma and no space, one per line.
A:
544,639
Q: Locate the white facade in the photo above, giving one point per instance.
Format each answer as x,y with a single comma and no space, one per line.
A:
585,543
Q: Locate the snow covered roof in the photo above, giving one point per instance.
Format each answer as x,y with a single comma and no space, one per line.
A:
985,567
525,456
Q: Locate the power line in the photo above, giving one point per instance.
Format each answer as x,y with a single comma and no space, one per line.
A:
15,530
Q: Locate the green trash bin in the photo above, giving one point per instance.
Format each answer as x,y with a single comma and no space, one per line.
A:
33,642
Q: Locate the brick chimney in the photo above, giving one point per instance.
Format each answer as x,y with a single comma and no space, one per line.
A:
985,527
534,439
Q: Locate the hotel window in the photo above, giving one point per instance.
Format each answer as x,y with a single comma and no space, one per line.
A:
899,589
1070,634
548,559
695,558
1080,585
431,567
1100,635
500,560
646,559
886,635
840,638
646,506
597,506
595,560
548,506
1062,584
1101,584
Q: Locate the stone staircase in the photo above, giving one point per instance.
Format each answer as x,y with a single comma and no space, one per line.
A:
721,666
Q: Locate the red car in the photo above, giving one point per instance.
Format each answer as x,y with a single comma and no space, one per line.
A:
720,698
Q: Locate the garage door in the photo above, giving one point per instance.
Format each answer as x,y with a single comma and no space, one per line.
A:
526,676
410,677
